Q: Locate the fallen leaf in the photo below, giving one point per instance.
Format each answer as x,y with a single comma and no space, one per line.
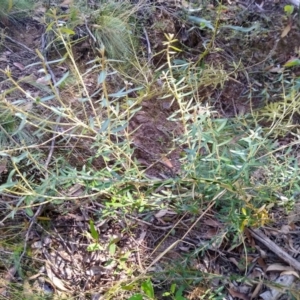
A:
286,30
238,295
276,70
262,263
37,245
164,160
4,56
19,66
66,3
6,279
55,280
211,222
142,236
279,268
44,80
262,253
95,270
257,290
210,233
240,265
256,273
75,190
294,273
285,229
249,237
164,212
275,293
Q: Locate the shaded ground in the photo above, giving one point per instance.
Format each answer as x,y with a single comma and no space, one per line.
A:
59,240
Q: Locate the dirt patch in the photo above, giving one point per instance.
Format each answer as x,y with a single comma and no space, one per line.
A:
153,136
18,51
78,264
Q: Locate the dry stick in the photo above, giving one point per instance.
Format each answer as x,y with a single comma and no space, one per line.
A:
184,236
257,234
210,205
20,44
58,120
39,210
89,32
148,45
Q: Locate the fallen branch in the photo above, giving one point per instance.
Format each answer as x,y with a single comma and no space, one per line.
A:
257,234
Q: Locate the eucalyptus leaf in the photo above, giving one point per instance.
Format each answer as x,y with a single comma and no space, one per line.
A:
242,29
201,22
22,124
102,76
124,92
65,76
292,63
7,185
17,159
104,125
47,98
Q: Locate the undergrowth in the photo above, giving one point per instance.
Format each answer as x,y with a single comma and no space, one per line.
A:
232,167
11,11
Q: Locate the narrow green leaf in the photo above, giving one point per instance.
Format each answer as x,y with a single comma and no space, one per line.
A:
29,211
94,247
123,93
129,287
7,185
242,29
91,122
201,22
58,111
67,31
223,124
49,27
148,289
65,76
22,124
119,128
178,295
102,76
292,63
47,98
48,62
112,249
17,159
93,230
136,297
104,125
82,100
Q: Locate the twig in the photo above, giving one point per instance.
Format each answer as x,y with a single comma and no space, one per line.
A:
58,119
257,234
212,203
88,30
32,221
139,220
148,45
39,210
20,44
